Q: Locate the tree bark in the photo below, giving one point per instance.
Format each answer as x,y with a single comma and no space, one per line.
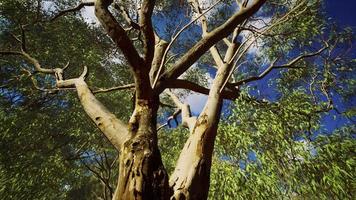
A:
141,171
191,177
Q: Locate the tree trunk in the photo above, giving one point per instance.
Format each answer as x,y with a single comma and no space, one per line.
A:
191,177
141,171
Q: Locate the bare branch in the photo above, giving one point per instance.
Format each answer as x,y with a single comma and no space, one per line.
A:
122,87
114,129
230,93
70,82
147,29
140,68
104,180
170,118
31,59
125,14
162,126
160,48
117,33
187,120
10,53
166,105
75,9
213,50
105,120
272,66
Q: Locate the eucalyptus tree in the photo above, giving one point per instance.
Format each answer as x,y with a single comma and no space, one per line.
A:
156,70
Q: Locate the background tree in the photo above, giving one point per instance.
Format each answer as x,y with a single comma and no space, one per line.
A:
242,46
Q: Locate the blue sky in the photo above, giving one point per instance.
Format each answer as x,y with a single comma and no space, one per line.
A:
343,11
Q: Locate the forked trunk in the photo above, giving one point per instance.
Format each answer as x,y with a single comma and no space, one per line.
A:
191,177
141,172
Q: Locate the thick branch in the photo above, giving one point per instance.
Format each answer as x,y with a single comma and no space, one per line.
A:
174,39
117,33
210,39
147,29
160,48
115,130
229,93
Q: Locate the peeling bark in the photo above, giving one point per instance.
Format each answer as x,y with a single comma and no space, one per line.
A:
142,174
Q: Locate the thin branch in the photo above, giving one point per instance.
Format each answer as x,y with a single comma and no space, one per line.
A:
162,126
97,174
23,38
213,50
121,87
125,14
74,9
10,53
187,120
31,59
247,41
170,118
230,93
272,66
166,105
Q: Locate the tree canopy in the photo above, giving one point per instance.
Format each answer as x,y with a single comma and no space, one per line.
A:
278,72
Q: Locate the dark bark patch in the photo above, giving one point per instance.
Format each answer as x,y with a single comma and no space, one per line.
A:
133,127
134,144
127,163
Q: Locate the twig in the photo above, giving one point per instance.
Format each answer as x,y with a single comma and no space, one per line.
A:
122,87
77,8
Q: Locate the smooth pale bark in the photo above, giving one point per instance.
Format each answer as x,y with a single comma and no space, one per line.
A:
194,163
115,130
160,47
191,176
